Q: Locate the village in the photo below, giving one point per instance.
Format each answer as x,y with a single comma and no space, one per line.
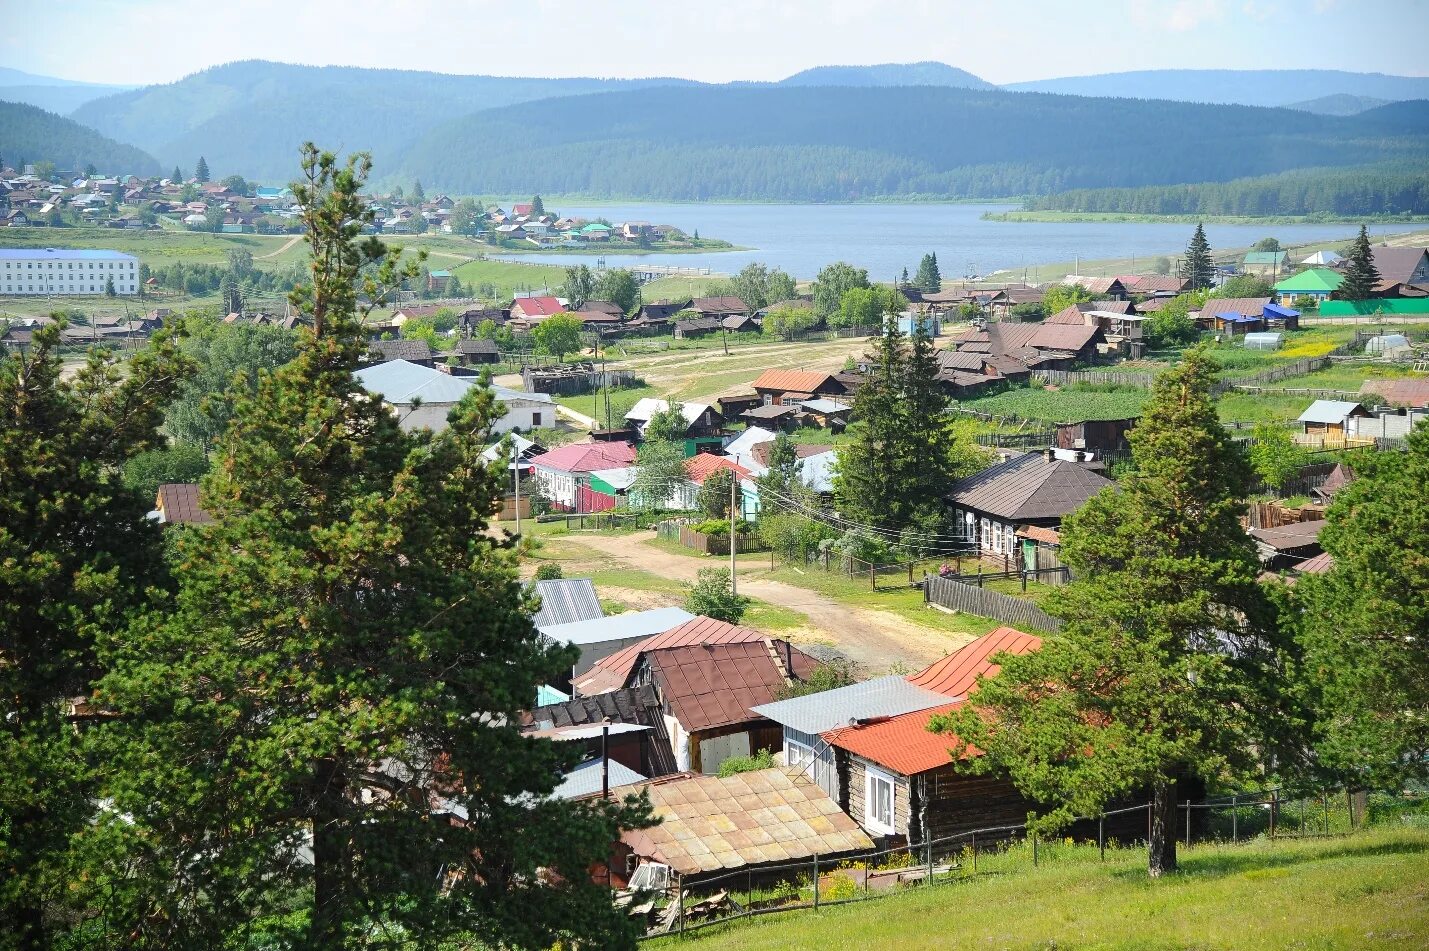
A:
777,714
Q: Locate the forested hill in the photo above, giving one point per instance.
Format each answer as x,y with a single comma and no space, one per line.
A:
30,134
1251,87
249,118
825,144
888,74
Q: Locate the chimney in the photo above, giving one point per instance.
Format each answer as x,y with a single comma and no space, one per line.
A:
1049,454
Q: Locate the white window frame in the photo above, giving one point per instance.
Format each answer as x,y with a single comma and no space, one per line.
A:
871,821
805,756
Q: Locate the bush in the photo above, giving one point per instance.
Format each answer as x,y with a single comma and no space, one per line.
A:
764,759
712,596
548,571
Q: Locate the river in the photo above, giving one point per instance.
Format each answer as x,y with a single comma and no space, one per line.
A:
885,238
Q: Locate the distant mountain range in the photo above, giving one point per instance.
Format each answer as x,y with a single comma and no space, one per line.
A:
832,132
30,134
50,92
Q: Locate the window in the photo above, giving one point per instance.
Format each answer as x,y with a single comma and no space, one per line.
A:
878,802
535,417
795,753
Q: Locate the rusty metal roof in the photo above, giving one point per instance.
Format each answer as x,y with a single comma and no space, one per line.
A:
804,381
1029,486
178,504
712,685
708,824
956,674
610,673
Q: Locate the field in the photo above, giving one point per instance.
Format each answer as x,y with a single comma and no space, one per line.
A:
1366,891
1059,406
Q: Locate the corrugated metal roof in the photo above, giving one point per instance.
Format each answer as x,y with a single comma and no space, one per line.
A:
1234,305
610,673
1063,337
902,744
830,709
706,464
63,254
758,818
617,627
803,381
565,600
1317,565
1312,279
587,457
1397,265
712,685
645,407
957,674
1330,411
585,780
178,501
1029,487
399,381
1289,538
1403,392
745,442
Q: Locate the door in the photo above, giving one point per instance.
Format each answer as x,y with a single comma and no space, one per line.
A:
1029,555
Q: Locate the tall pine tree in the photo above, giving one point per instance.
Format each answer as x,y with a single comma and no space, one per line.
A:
341,674
1197,267
201,170
77,556
929,279
1170,664
1361,276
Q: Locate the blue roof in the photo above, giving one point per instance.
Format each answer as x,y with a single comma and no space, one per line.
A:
618,627
1275,310
881,697
584,780
62,254
547,695
399,381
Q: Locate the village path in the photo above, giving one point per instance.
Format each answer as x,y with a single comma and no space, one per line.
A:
285,246
873,639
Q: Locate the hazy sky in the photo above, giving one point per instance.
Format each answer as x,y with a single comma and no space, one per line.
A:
145,41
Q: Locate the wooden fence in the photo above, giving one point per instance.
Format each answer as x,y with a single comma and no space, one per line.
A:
717,544
1141,381
956,596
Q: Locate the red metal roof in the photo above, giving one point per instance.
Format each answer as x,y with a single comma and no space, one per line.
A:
610,673
956,674
706,464
538,306
902,743
714,685
587,457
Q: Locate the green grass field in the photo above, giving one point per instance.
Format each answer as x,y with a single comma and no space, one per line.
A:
506,276
1338,894
1056,406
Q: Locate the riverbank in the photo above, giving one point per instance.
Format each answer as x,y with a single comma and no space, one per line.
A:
1116,217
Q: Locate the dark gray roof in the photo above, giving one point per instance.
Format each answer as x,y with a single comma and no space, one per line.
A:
413,350
564,600
1029,487
477,345
881,697
638,705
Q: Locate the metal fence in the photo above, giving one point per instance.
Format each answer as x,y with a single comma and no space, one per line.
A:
821,881
960,596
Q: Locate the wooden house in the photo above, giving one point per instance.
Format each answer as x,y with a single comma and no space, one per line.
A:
1036,488
781,387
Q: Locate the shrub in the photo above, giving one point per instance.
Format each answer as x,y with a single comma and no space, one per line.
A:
712,596
548,571
837,887
764,759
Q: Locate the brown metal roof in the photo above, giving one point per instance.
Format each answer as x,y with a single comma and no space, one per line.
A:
1029,486
1248,306
178,502
708,824
1063,337
712,685
610,673
1396,265
1069,316
1401,392
804,381
1292,537
719,305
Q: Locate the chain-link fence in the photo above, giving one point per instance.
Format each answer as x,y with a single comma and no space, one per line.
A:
820,881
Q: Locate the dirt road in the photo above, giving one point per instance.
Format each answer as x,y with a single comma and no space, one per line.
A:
874,639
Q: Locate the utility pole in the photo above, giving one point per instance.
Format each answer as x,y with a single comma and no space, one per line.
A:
733,539
516,463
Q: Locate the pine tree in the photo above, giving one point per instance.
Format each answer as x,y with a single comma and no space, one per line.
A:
1361,276
1170,664
1198,268
1364,622
866,483
418,195
78,556
538,207
177,177
343,666
929,280
201,170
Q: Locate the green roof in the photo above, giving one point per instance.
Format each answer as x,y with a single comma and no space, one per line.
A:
1313,279
1265,257
441,273
596,226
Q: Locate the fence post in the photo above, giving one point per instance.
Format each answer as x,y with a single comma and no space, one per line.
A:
872,576
816,880
1235,818
1188,823
1034,850
1325,799
1302,817
974,853
680,887
1274,811
1101,835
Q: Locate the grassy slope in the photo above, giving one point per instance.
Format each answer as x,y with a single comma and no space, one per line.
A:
1364,892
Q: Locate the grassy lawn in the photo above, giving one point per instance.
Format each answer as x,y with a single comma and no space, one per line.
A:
593,404
508,277
907,603
1346,376
153,247
676,287
1057,406
1366,891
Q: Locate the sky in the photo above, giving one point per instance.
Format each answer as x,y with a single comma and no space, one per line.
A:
151,41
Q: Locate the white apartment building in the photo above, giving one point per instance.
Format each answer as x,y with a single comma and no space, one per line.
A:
61,273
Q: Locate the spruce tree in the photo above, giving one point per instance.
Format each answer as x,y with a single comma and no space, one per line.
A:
341,674
1361,276
177,177
201,170
929,280
538,207
1198,268
866,484
1170,664
77,556
418,194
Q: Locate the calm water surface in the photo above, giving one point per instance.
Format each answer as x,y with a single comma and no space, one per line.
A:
800,239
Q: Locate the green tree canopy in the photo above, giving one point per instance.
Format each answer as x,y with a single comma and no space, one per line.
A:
1197,266
1169,664
229,359
558,335
831,284
342,670
466,217
619,287
1275,456
1364,622
867,306
929,278
715,492
1244,285
1061,296
758,285
668,424
712,595
579,286
1361,276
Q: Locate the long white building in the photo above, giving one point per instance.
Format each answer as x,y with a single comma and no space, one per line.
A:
60,272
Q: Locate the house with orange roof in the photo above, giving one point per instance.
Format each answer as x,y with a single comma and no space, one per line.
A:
781,387
869,746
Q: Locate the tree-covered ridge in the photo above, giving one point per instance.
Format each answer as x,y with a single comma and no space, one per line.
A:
250,117
1387,190
30,134
809,143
